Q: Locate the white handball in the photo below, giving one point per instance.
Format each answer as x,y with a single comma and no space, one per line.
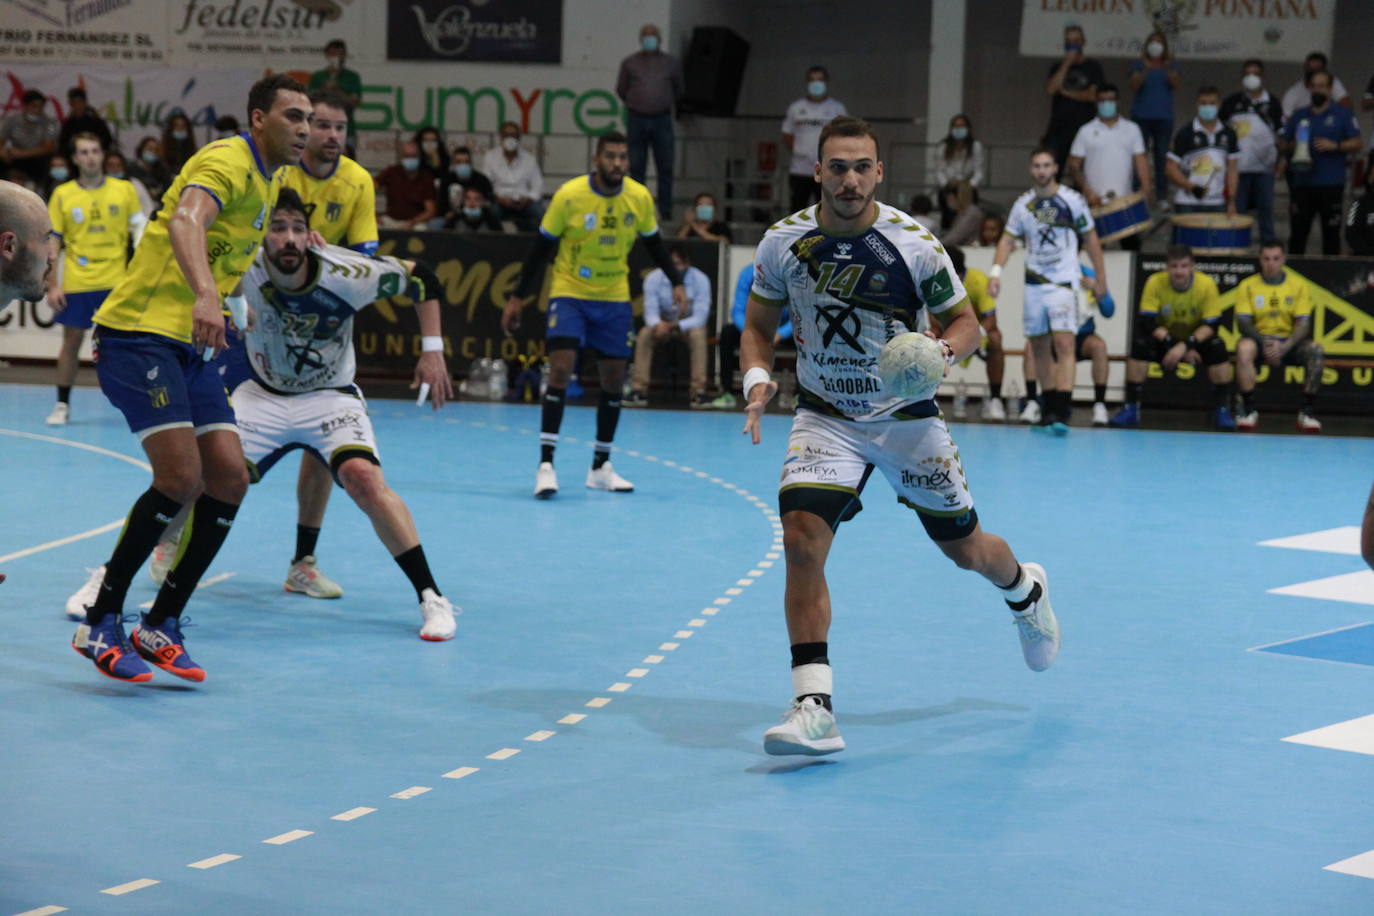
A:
912,366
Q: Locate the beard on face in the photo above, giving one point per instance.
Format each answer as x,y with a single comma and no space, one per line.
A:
26,274
287,259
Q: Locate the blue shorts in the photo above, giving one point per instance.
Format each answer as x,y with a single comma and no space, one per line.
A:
608,327
159,383
233,362
80,308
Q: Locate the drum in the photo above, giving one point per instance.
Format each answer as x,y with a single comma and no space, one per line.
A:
1120,217
1214,233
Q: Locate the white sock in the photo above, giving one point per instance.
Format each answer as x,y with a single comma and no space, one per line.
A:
1022,589
813,677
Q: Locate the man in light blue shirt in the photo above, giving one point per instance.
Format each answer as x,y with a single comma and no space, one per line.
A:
664,321
728,353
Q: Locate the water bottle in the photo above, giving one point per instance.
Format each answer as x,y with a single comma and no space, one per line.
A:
1302,152
476,382
498,380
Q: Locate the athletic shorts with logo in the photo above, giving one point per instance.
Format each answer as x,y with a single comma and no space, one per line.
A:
159,383
331,424
1050,308
81,308
829,461
607,327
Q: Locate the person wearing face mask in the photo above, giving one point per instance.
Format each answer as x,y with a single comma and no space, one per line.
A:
517,183
650,84
1072,88
958,170
178,142
338,78
1153,80
81,117
28,138
1317,180
801,130
59,170
702,221
411,200
460,176
473,213
148,168
116,166
226,126
433,155
1298,94
1107,155
1256,118
1203,160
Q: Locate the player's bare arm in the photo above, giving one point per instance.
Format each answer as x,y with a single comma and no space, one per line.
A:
1094,248
962,331
1302,328
57,300
756,353
999,259
432,369
195,213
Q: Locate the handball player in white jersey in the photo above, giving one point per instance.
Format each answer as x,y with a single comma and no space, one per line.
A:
855,273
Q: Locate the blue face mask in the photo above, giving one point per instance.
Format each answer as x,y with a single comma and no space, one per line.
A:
816,88
58,173
410,163
706,212
1207,112
462,169
472,212
1106,109
959,133
649,42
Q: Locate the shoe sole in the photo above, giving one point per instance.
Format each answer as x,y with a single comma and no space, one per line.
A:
136,679
611,489
1037,572
545,494
186,674
1059,429
779,748
438,638
286,587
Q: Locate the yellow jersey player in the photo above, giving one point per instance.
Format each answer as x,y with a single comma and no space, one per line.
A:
985,307
1274,317
594,221
1177,321
94,219
155,340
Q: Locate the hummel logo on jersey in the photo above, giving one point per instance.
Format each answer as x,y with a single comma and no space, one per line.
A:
879,249
152,373
842,251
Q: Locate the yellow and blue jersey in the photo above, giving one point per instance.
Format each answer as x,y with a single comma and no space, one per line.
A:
1275,307
93,224
596,232
1181,312
341,206
976,285
153,297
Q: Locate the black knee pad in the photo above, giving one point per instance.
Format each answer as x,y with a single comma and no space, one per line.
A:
834,506
1145,348
1213,351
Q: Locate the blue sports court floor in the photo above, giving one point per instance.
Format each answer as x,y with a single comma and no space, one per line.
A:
590,742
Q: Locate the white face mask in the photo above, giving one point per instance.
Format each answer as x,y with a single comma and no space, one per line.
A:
1154,49
410,163
58,173
472,212
510,144
179,135
1251,81
429,146
149,156
462,169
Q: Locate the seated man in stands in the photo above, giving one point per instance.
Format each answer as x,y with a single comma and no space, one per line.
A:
991,352
663,322
474,214
702,221
728,346
411,201
1177,321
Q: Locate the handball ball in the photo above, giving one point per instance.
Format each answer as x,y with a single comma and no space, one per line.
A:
911,366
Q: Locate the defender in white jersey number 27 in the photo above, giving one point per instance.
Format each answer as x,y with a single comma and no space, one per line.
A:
856,273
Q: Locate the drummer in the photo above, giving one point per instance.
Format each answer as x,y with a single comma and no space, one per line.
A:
1107,156
1204,161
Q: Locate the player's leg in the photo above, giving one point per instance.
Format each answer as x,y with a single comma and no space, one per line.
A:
1310,355
1218,363
1030,411
75,320
696,348
313,486
610,332
993,408
1093,348
1247,358
563,338
646,342
727,358
1144,348
1043,347
1330,215
1302,209
1064,369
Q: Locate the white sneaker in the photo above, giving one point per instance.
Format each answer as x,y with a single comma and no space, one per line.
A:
1099,414
305,577
61,413
164,554
545,481
85,595
993,409
1248,421
807,728
605,478
1031,412
1036,625
960,408
437,612
1308,422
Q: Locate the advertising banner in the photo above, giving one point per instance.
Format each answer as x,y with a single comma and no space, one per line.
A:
86,31
1272,30
509,31
1342,291
286,33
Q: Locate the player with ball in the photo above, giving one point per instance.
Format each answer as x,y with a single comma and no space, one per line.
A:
856,274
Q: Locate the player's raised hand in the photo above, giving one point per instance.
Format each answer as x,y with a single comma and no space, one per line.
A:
994,286
759,396
207,322
510,316
315,240
57,300
432,372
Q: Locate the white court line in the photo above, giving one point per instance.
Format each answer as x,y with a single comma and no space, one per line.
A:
1284,642
637,672
129,887
204,583
683,634
1353,735
696,622
598,702
289,836
572,718
411,792
505,753
541,735
213,861
667,647
43,911
460,772
652,659
1361,866
619,687
62,542
352,814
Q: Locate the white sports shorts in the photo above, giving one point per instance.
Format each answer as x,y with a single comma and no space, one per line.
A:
1050,308
330,424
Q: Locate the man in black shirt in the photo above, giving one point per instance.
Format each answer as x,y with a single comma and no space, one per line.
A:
81,117
1072,88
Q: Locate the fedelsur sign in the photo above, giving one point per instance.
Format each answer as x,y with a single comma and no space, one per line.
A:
527,31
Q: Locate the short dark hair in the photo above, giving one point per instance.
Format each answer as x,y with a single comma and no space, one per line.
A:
817,68
956,256
679,249
1178,253
1208,90
33,95
609,137
1252,62
1317,55
1330,80
335,43
288,199
76,92
264,92
1272,243
227,122
1047,151
85,135
331,97
1108,87
701,194
921,204
462,149
846,126
1075,27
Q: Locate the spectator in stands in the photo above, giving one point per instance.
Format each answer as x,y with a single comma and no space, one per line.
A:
433,155
1317,174
1256,118
81,117
702,221
991,352
990,231
1072,88
921,210
728,345
968,221
801,132
226,126
59,171
1178,320
1359,222
958,170
150,169
663,322
1108,155
1153,80
178,141
459,177
650,84
473,213
1366,104
1299,95
517,183
1202,160
116,166
411,200
28,138
1274,317
342,80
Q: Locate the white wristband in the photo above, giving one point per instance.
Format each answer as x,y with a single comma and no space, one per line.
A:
995,270
431,344
948,349
755,376
238,311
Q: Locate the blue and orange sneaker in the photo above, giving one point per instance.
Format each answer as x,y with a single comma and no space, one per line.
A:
162,645
105,644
